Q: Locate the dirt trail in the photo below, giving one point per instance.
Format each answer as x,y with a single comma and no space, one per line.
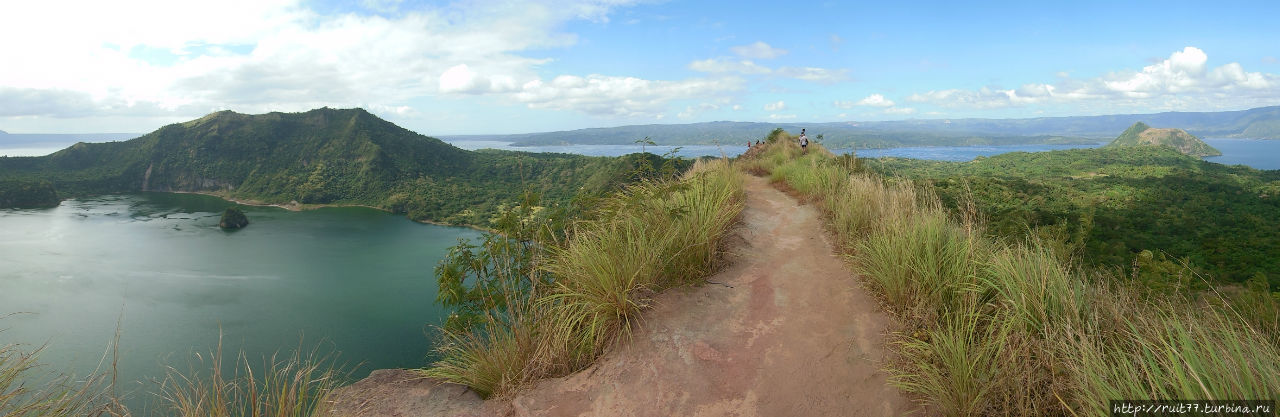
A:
788,333
794,336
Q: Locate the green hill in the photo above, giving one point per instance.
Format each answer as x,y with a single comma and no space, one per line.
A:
323,156
1110,204
1142,135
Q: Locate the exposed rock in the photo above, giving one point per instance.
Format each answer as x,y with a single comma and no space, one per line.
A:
233,218
1142,135
404,393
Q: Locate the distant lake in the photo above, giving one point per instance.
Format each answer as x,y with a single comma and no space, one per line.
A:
358,279
29,150
687,151
1257,153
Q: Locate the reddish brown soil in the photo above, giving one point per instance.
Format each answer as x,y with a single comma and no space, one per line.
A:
784,330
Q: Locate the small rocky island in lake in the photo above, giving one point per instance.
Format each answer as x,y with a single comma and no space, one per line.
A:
233,219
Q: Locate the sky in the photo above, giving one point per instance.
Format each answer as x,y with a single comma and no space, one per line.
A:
494,67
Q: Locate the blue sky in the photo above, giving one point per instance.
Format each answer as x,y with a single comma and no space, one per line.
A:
477,66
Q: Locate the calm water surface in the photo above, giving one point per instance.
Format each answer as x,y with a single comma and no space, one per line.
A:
1257,153
358,279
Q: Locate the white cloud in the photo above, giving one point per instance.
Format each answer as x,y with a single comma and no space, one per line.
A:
1184,80
460,79
818,75
618,96
269,55
779,105
748,67
899,110
737,107
875,100
758,50
728,66
781,116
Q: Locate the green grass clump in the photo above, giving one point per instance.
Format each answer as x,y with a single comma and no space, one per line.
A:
22,395
1163,349
997,328
296,385
651,236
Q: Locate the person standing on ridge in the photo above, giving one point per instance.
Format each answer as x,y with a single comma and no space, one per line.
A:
804,141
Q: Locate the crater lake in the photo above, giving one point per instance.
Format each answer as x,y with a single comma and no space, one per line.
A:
351,280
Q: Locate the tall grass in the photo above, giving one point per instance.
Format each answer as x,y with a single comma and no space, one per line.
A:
996,328
651,236
295,385
26,390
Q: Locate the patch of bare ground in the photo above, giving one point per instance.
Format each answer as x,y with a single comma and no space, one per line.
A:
784,330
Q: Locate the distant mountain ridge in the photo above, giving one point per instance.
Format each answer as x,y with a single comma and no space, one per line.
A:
1260,123
1140,134
322,156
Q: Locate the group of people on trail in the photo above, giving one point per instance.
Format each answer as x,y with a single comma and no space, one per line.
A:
803,140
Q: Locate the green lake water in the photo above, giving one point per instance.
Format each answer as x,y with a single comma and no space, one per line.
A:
355,280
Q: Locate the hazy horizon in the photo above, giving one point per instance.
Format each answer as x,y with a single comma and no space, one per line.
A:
789,122
495,67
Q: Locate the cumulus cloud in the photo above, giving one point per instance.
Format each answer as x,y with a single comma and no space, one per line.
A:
781,116
618,96
461,79
758,50
1184,79
265,55
900,110
875,100
776,106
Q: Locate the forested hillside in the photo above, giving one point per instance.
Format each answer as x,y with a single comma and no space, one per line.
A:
323,156
1123,206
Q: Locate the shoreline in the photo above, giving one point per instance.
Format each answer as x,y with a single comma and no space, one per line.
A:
299,207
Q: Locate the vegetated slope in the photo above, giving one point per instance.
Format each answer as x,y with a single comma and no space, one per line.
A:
1012,327
1142,135
323,156
1112,204
1261,123
781,331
